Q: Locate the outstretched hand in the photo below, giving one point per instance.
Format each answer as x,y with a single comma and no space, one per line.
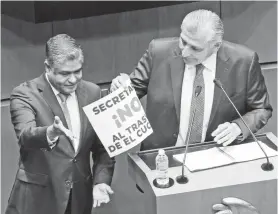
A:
57,129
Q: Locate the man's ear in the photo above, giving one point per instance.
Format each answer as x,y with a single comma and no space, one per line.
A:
47,66
217,45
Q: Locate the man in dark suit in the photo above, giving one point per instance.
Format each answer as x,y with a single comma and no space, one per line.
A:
56,139
177,75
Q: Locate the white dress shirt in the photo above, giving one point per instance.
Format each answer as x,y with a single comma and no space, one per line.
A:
72,104
186,96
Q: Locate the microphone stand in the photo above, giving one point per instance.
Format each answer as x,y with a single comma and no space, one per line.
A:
182,179
265,166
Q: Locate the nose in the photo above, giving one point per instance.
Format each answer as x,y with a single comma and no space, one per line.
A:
185,51
72,79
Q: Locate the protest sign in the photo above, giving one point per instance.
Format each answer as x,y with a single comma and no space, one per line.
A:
119,120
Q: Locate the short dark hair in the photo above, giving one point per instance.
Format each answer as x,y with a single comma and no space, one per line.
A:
62,47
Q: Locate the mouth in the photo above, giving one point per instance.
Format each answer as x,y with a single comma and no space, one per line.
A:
189,58
70,86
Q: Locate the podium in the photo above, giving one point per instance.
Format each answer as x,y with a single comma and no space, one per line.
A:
246,181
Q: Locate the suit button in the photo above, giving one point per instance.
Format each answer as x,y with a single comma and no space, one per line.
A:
175,135
68,183
74,160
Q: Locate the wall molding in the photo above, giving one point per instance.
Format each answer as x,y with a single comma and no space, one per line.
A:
104,85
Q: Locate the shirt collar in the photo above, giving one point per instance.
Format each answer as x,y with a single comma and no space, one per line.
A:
56,92
210,62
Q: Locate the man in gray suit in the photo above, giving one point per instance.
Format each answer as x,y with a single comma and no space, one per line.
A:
177,76
56,139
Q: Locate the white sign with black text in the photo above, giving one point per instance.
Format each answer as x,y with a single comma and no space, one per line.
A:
119,120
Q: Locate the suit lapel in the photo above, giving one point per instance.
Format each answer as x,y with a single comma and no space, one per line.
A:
53,103
222,74
177,72
82,101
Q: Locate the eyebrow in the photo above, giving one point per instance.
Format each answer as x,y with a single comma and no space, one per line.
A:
72,71
183,41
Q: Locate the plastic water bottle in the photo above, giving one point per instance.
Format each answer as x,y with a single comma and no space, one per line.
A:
162,164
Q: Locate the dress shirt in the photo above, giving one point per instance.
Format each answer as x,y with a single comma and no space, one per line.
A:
72,104
186,96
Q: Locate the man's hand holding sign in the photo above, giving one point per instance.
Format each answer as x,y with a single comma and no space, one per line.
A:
119,120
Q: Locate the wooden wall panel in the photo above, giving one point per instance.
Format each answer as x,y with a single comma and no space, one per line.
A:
170,18
9,156
253,23
22,51
114,43
111,43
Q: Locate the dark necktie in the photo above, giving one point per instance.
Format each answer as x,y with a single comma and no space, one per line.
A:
197,105
65,109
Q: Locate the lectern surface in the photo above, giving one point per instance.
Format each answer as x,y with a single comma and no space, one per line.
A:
244,180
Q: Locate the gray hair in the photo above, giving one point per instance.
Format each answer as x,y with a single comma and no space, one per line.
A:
61,48
204,20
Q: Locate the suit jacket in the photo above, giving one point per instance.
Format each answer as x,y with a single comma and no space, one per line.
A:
45,175
159,74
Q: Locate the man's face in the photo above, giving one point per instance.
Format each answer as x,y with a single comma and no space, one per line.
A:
65,77
195,48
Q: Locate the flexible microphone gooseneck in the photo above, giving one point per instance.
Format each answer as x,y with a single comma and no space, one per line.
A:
265,166
182,179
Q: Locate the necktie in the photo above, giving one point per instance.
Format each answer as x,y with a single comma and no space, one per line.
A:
65,109
197,105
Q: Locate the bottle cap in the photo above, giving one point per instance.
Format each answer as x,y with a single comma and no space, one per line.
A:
161,152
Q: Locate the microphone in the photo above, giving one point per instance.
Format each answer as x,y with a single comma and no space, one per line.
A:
182,179
265,166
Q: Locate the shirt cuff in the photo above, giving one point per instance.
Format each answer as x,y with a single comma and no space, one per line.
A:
244,131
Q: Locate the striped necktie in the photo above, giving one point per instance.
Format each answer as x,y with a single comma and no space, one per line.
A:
197,105
65,109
